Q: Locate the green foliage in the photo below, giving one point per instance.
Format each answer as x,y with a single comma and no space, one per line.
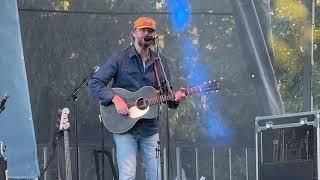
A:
289,35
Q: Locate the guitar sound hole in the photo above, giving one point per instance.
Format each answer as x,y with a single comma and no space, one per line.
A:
142,103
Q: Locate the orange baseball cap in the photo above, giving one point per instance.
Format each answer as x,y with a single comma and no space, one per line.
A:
145,22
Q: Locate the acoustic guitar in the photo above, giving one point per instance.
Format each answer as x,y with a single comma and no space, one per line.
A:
142,105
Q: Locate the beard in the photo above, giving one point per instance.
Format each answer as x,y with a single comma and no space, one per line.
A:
144,44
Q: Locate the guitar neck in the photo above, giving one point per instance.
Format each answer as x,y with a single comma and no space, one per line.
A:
67,155
170,97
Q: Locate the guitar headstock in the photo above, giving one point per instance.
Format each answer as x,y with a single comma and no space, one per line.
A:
63,120
210,86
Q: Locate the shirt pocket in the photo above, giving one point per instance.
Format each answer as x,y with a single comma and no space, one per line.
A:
130,77
131,73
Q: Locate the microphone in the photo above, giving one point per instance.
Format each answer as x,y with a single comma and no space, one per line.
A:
3,103
96,69
150,38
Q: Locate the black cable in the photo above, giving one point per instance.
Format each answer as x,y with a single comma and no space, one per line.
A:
60,169
54,147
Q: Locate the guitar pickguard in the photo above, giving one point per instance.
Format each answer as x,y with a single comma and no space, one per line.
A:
135,112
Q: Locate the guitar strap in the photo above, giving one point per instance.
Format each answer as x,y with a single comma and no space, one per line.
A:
156,74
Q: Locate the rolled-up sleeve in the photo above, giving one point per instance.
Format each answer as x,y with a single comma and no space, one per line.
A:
99,81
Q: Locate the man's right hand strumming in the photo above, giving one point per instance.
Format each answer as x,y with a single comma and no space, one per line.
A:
121,105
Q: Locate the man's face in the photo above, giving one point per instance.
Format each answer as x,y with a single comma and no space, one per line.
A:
140,34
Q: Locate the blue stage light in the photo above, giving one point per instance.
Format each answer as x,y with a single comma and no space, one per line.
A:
181,14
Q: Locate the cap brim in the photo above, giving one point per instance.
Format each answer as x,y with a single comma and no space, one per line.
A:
140,27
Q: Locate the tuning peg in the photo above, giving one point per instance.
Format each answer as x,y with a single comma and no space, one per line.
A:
66,110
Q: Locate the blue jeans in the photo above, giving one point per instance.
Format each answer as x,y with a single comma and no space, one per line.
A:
127,146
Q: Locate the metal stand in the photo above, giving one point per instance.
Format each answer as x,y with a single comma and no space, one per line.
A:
113,169
102,144
167,90
3,168
3,162
74,97
308,57
47,161
75,111
59,160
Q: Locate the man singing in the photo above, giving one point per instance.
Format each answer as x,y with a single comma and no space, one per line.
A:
133,68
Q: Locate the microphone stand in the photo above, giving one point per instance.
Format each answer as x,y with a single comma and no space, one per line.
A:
167,90
158,59
102,146
74,97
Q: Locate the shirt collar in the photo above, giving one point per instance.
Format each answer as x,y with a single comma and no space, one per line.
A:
133,52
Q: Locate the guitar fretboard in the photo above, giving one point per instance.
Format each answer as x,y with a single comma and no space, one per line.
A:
162,98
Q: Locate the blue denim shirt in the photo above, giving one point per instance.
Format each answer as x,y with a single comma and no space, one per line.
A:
127,71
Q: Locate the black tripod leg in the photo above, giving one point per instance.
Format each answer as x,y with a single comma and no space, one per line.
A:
96,160
113,169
